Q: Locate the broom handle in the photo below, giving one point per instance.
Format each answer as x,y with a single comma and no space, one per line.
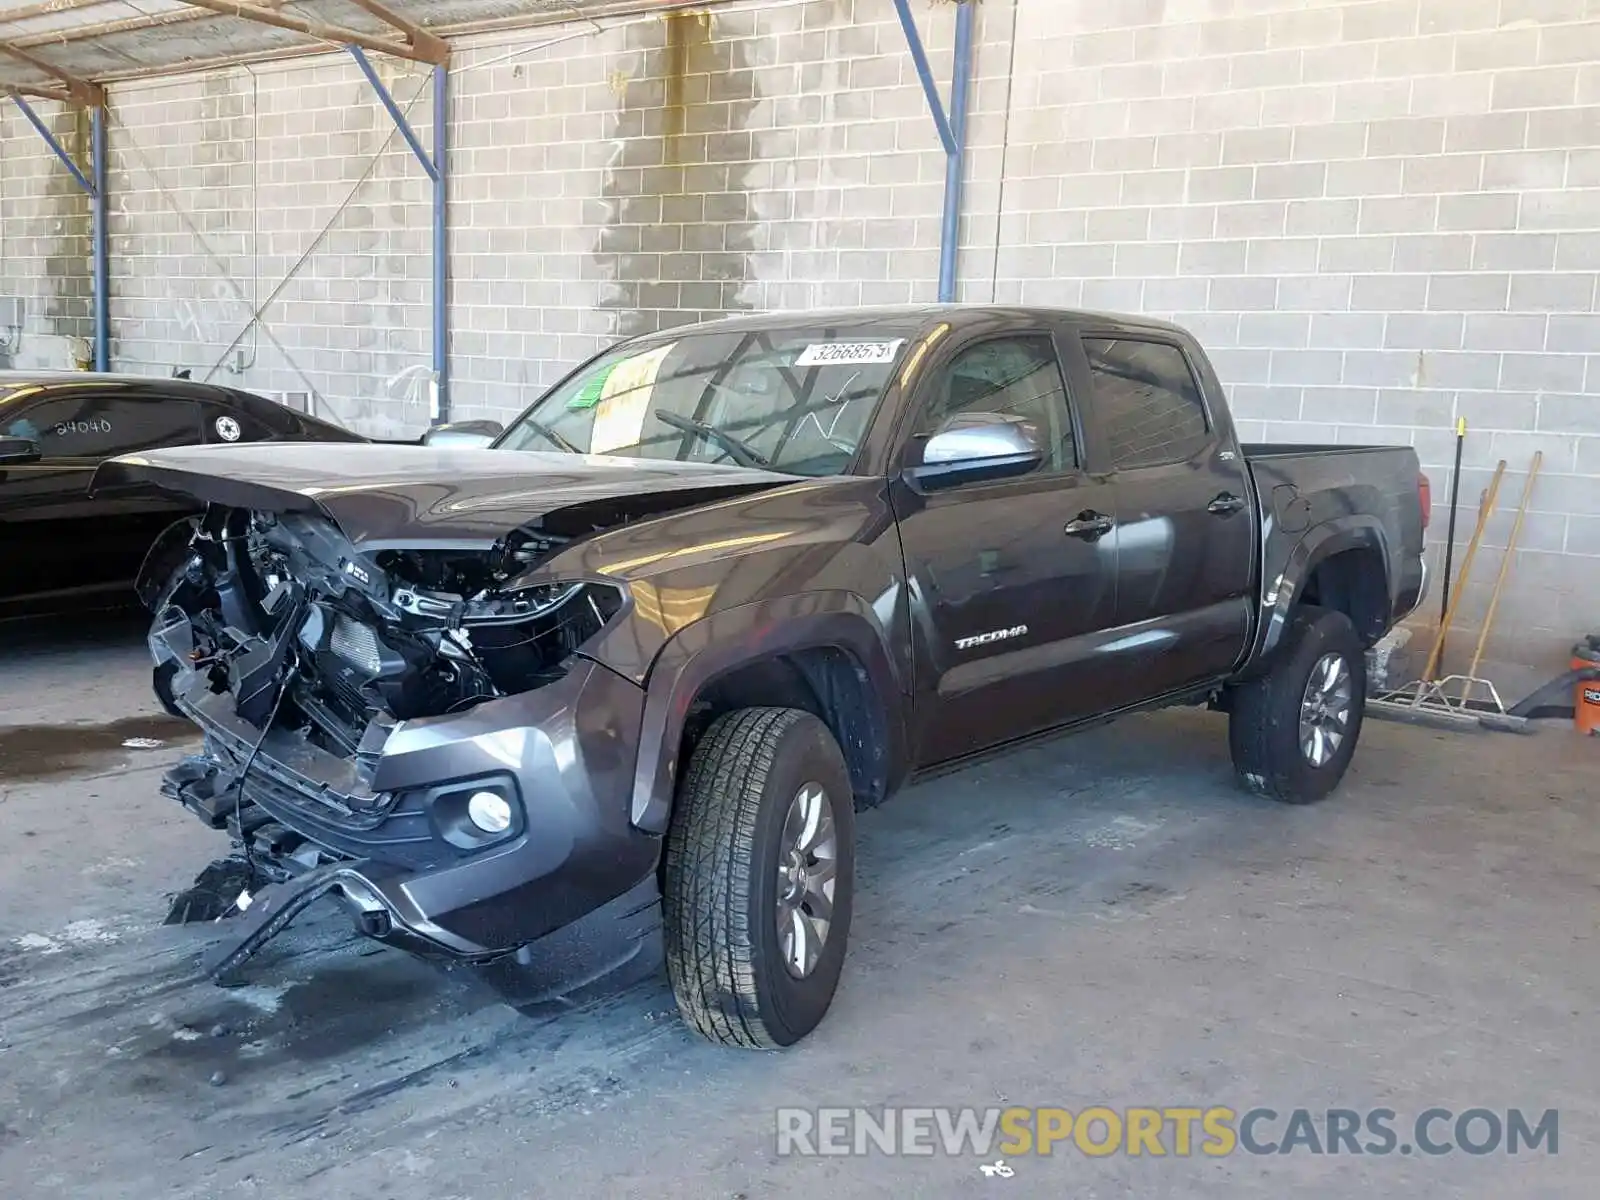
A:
1450,534
1466,570
1505,564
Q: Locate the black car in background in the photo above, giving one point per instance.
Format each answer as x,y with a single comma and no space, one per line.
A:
60,549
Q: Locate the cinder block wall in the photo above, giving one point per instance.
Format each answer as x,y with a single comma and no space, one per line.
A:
1381,215
281,189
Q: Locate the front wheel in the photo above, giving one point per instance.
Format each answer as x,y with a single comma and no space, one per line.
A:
759,876
1294,730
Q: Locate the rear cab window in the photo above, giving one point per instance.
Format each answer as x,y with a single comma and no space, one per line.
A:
1148,400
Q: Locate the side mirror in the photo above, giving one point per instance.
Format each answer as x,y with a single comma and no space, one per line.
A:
463,433
19,450
978,446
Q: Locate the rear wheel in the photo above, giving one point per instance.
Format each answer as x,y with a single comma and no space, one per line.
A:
758,878
1294,730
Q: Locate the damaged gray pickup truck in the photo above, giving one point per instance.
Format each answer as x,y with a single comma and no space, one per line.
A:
612,689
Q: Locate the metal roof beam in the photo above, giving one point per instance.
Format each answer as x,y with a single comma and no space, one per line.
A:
332,34
42,93
79,91
433,49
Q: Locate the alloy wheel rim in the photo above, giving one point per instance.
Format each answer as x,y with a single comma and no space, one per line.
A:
1325,709
807,869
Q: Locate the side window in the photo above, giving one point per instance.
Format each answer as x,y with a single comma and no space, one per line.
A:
1148,401
99,426
222,424
1017,376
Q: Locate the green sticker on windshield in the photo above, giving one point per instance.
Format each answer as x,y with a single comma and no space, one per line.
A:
591,392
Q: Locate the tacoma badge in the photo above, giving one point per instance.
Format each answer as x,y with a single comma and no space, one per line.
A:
983,639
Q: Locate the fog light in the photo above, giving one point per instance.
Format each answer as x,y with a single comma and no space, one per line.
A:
489,811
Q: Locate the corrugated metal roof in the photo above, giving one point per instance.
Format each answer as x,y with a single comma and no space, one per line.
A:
106,40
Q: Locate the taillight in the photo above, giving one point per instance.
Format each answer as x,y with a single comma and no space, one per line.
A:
1425,497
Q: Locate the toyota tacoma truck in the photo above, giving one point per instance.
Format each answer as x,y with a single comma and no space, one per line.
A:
612,689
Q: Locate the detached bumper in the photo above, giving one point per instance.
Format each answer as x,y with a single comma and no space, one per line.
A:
399,861
622,937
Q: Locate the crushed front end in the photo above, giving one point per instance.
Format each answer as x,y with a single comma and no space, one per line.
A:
414,730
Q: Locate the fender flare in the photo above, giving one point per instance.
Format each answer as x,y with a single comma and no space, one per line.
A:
725,641
1319,543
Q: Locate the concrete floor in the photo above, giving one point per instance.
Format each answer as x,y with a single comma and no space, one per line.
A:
1101,920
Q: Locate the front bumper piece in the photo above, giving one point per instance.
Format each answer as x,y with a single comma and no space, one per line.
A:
621,941
573,874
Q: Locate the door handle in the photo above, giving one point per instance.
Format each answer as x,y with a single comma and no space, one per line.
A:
1089,525
1225,504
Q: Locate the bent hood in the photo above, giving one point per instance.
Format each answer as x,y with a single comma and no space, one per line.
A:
382,495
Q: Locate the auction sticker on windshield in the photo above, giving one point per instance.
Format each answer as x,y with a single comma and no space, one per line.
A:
835,354
625,399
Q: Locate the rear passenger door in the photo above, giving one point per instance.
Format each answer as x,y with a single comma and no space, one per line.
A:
1185,525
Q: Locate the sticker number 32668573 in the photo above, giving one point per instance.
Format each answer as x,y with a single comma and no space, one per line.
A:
832,354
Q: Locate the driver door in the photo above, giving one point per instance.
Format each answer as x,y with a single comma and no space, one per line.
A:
1010,579
71,542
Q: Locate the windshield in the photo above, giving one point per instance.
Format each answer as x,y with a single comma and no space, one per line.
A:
797,400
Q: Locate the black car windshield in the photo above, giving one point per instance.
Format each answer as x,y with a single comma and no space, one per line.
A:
796,399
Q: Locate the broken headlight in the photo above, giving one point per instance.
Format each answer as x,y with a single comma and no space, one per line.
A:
532,631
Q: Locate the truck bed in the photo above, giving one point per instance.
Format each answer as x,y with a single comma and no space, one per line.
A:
1330,482
1359,498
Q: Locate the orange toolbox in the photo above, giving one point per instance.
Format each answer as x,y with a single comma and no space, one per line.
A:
1586,692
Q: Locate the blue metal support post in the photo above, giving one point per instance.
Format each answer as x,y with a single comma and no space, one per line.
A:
100,239
433,165
441,240
952,129
94,186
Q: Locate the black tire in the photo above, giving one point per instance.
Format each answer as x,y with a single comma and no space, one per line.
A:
724,954
1264,731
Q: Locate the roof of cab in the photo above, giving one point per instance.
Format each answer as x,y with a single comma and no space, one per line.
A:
907,317
169,387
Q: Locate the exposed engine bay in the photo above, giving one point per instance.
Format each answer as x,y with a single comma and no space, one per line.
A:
333,638
394,661
307,633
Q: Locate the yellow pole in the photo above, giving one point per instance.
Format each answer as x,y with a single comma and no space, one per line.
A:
1505,564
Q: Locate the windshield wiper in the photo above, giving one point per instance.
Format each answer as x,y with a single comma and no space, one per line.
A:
742,452
554,438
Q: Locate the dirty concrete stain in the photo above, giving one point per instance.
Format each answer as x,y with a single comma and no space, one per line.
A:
678,232
33,752
77,933
682,31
